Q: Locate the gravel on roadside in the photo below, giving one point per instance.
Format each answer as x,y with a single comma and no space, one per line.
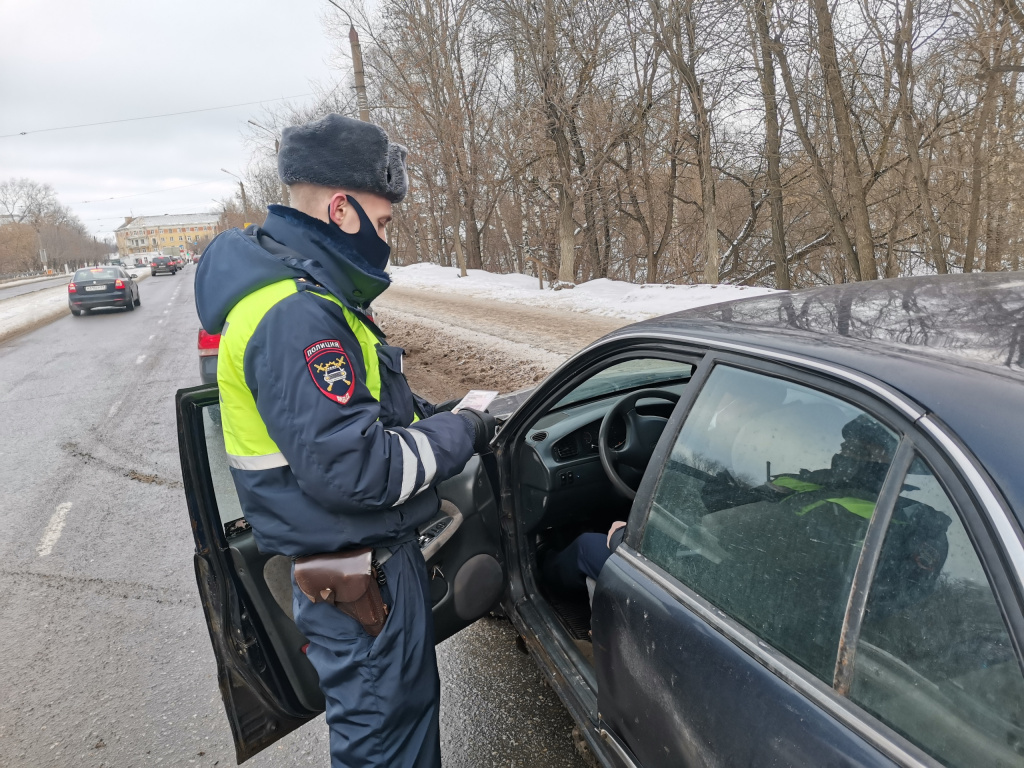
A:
444,362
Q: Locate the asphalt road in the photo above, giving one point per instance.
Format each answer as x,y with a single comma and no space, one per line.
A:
104,654
18,290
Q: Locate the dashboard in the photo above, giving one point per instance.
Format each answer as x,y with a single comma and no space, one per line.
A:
560,476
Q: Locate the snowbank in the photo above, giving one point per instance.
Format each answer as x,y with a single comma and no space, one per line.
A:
31,310
611,298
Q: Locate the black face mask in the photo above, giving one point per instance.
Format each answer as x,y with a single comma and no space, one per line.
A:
366,242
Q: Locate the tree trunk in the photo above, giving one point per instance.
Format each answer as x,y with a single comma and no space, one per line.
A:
999,186
903,61
979,166
474,254
712,254
460,256
847,144
773,144
566,236
824,185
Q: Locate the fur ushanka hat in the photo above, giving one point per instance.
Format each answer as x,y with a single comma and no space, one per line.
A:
337,151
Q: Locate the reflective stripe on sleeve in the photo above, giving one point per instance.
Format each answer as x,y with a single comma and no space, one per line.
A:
267,461
426,458
408,469
859,507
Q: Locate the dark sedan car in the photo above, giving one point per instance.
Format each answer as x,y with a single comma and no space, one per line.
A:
823,561
95,287
161,264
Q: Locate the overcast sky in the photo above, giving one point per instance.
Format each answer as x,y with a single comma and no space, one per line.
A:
68,62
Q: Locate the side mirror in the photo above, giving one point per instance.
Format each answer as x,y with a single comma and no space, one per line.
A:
133,276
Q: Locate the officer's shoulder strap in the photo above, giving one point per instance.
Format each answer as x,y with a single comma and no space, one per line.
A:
354,315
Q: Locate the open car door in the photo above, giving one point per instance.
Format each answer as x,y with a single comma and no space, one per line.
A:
268,685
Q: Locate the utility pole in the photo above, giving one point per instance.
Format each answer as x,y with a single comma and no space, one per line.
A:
357,66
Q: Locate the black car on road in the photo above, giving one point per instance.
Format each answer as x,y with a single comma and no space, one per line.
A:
823,562
163,264
94,287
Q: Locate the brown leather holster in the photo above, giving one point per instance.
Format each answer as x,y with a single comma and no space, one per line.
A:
346,580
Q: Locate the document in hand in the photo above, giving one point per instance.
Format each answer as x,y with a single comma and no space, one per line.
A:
476,400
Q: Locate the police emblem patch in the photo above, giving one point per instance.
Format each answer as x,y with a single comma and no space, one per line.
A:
329,366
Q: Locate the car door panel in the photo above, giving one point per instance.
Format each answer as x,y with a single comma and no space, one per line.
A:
662,669
268,685
467,577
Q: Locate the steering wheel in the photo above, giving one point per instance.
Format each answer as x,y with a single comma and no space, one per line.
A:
642,433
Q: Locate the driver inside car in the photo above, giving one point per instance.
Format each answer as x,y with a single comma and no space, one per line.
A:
574,570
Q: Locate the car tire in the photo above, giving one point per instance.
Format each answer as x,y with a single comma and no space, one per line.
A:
75,312
130,306
138,301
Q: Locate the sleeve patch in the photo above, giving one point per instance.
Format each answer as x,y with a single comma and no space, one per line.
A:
331,370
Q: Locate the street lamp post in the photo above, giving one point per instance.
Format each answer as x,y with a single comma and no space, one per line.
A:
357,66
245,200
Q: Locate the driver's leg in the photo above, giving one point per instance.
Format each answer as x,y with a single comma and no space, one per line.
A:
592,554
566,572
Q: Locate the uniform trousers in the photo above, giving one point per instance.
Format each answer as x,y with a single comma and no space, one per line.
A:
383,694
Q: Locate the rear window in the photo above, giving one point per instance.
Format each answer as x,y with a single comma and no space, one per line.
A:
97,273
161,260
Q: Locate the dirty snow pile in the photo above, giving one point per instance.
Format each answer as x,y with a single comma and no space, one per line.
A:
611,298
24,312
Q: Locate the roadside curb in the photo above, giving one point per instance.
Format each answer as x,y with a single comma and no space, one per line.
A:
27,280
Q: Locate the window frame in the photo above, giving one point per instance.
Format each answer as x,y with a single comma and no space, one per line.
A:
912,441
979,533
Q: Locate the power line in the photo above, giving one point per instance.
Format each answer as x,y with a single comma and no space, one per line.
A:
153,192
152,117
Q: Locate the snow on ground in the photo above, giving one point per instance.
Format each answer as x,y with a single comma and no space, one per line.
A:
611,298
22,313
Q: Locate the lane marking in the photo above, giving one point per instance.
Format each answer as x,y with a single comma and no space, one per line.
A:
113,408
165,311
53,529
139,359
159,322
152,336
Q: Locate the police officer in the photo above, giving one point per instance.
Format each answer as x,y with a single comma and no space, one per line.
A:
329,449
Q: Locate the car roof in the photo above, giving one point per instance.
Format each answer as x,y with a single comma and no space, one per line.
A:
954,344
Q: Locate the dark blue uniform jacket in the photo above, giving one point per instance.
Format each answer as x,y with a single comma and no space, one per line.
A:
358,473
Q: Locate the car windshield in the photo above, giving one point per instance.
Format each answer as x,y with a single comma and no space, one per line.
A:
627,375
97,273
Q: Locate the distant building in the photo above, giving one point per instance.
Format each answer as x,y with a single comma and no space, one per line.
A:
144,234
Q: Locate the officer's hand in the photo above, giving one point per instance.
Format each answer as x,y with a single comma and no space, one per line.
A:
484,427
447,405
